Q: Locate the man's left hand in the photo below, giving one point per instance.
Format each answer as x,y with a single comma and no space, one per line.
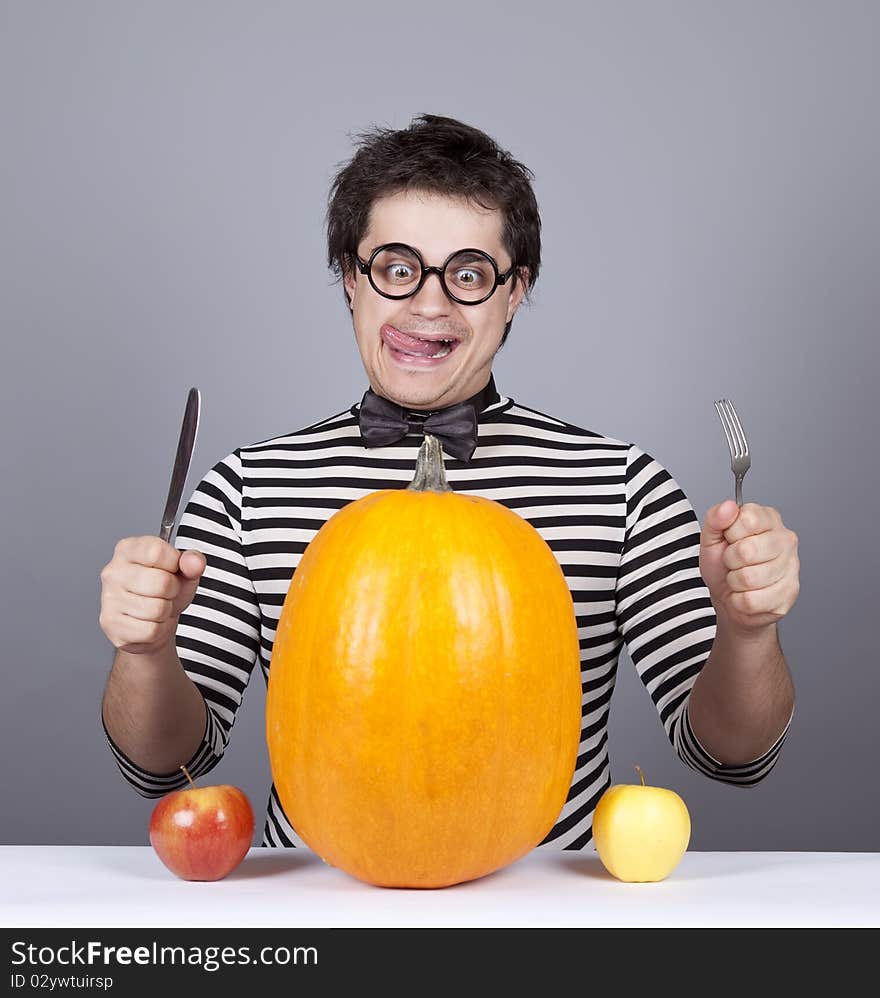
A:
749,562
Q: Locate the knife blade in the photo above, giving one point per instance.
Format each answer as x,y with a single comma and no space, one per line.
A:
185,444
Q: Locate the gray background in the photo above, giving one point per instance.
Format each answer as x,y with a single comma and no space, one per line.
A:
707,174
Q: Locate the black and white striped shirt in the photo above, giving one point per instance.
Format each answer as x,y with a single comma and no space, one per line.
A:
624,533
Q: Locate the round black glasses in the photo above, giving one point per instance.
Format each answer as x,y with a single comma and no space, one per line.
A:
468,277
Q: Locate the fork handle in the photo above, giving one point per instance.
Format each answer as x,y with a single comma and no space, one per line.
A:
739,490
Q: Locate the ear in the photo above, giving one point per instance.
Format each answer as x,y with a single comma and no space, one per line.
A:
517,292
349,281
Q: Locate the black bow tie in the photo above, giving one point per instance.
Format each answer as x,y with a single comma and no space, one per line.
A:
383,422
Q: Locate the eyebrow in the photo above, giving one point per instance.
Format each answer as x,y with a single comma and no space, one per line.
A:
468,257
373,249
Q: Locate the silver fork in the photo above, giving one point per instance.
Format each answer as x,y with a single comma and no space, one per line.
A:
740,459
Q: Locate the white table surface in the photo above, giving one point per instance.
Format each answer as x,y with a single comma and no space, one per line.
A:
127,886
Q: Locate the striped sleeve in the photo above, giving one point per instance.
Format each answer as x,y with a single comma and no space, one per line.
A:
149,784
665,614
218,635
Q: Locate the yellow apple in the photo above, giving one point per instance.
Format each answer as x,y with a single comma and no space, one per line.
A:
640,832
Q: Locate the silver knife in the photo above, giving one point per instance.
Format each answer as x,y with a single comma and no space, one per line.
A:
185,445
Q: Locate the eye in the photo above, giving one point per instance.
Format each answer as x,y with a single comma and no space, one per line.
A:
400,271
396,266
470,271
469,277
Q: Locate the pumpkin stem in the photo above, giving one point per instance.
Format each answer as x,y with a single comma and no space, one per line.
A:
430,473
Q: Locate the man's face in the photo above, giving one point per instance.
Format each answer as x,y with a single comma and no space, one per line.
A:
436,226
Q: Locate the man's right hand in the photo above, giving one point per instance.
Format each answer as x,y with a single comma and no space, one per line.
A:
144,589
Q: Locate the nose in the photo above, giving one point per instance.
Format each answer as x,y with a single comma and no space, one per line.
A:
431,299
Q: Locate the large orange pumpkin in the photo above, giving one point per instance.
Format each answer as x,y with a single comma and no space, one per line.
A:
424,702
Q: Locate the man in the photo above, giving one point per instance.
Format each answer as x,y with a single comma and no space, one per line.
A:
435,234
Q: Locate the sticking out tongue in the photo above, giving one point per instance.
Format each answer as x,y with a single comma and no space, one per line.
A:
411,344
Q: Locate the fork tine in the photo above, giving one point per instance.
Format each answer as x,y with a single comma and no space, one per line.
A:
737,426
725,422
730,429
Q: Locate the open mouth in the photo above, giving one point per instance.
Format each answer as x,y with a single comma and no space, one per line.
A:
411,348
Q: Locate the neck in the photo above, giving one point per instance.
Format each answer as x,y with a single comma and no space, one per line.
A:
481,399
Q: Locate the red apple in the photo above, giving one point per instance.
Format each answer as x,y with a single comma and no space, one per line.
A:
202,833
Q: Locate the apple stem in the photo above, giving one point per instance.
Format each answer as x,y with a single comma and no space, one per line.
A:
641,774
193,784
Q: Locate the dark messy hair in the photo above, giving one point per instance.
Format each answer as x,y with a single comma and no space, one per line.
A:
440,156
